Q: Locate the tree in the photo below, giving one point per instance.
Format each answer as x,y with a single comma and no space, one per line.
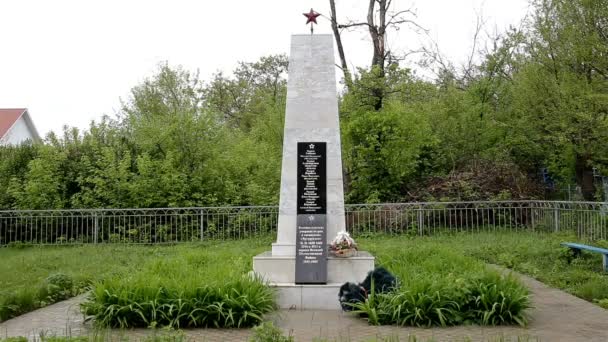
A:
14,161
380,19
563,89
44,183
240,98
387,151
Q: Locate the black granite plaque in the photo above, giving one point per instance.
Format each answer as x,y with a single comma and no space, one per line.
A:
312,182
311,250
311,235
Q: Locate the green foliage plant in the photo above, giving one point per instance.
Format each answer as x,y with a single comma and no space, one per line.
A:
440,287
268,332
184,290
57,287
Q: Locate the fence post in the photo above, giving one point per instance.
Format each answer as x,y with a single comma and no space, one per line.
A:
556,218
420,221
201,225
532,214
96,229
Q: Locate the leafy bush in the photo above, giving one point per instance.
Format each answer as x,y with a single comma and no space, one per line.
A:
267,332
478,180
603,303
170,336
57,287
438,287
14,339
65,339
18,302
18,244
236,304
196,288
54,288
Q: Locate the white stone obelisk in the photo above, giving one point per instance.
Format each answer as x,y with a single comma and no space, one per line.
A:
311,115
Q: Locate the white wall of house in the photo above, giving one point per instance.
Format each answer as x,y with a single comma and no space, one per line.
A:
17,134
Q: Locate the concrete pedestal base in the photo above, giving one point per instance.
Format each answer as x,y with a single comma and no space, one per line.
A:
282,269
308,297
280,272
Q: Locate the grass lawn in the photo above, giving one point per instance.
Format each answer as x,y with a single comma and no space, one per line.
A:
419,262
25,272
542,257
537,255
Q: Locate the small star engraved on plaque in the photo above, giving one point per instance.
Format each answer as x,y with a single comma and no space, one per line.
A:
311,146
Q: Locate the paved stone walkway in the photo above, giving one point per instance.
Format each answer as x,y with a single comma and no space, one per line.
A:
557,316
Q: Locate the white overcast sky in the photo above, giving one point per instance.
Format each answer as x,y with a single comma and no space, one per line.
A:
70,62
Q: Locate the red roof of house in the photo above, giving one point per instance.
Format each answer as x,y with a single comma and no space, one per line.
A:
8,118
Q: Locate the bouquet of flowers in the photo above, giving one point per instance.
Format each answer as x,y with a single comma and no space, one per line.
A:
343,245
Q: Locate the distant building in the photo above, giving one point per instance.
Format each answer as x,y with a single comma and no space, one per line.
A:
16,127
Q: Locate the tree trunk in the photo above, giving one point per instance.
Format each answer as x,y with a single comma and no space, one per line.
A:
334,26
584,177
377,35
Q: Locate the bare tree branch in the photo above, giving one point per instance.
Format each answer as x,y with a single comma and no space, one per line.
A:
397,15
469,66
349,25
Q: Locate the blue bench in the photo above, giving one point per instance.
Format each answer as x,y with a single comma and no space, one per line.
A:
577,248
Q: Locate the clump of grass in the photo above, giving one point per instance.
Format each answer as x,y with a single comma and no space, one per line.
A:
439,287
238,303
268,332
18,302
14,339
198,288
53,289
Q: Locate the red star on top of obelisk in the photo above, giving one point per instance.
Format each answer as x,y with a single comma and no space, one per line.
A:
311,18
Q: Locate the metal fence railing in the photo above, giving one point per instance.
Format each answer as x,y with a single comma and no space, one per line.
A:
166,225
589,220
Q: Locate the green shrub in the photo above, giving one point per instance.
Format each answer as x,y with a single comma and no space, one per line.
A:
19,245
238,303
18,302
489,300
496,300
438,287
14,339
195,288
593,289
267,332
603,303
57,287
54,288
